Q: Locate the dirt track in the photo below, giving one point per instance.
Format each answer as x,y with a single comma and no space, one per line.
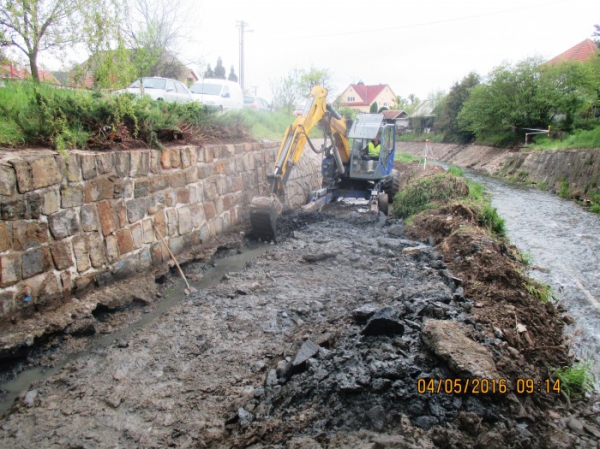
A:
224,368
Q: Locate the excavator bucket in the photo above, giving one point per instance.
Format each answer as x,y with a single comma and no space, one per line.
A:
264,211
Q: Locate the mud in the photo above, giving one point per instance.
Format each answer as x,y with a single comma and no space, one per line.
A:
316,343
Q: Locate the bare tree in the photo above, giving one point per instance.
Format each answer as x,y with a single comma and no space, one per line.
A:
154,30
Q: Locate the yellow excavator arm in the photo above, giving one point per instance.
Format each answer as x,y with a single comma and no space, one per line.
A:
296,136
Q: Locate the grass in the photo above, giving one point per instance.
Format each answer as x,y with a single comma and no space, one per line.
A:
576,380
406,158
456,171
543,292
417,137
578,139
489,218
563,192
526,258
265,125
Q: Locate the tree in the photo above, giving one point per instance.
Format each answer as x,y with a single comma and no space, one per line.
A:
313,77
154,29
209,72
373,108
526,95
285,92
36,26
448,117
220,70
409,104
232,76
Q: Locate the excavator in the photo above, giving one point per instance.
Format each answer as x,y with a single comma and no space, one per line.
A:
347,169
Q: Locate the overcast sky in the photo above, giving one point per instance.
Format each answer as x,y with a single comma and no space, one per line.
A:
416,46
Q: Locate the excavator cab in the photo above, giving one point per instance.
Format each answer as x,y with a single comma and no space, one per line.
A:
364,129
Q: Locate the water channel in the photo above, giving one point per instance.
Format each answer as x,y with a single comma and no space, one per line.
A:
563,240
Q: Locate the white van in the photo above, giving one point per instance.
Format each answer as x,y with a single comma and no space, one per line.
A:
222,94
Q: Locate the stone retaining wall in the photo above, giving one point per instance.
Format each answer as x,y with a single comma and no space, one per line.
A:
87,220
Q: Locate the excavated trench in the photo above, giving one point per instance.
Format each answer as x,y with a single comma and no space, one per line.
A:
319,341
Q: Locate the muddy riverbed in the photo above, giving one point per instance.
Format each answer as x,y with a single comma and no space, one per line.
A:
323,340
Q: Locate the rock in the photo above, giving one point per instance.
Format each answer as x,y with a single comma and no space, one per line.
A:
448,340
396,230
568,319
363,313
425,422
271,379
245,417
377,417
30,397
491,440
303,443
592,430
307,350
414,250
318,257
576,426
122,344
384,322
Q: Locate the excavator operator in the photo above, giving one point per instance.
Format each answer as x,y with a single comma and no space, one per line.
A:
374,148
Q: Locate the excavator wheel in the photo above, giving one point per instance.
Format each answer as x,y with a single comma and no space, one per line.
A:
392,186
383,203
264,211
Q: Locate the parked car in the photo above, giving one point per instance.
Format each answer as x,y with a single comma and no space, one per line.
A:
222,94
165,89
260,104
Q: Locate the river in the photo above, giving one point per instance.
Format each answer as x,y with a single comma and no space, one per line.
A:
563,240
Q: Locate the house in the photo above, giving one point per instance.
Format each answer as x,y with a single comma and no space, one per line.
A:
10,71
422,118
398,118
360,97
581,52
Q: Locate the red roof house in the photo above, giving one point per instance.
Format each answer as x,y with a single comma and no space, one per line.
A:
361,97
580,52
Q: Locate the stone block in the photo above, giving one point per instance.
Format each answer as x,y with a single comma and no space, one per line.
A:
193,155
175,157
62,254
210,189
170,198
183,196
209,210
199,192
198,217
24,208
84,283
98,190
154,161
137,234
121,211
96,250
35,261
148,230
125,241
239,148
209,154
191,175
137,209
49,290
23,175
185,157
73,168
50,201
157,183
171,222
219,205
158,200
229,167
8,180
5,236
200,154
177,245
141,188
89,218
205,171
160,222
10,269
221,184
158,253
193,194
105,163
249,163
122,163
177,180
139,163
88,166
219,168
239,164
71,195
27,234
185,220
145,259
165,159
45,172
82,253
126,268
104,278
112,248
228,201
204,232
7,302
108,218
66,282
64,223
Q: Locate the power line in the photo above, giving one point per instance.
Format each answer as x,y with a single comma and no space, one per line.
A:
415,25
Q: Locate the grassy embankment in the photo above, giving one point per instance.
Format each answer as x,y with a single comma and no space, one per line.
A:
458,215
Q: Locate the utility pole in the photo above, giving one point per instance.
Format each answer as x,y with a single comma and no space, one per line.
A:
242,26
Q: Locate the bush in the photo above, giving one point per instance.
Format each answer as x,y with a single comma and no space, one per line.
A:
418,195
576,380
